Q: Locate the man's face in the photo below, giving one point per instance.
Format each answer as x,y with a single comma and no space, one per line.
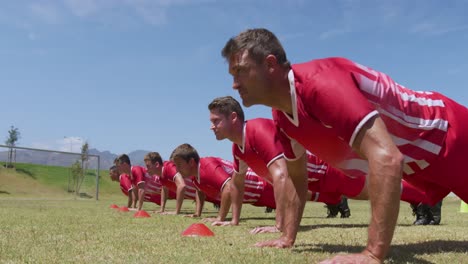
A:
151,167
183,167
220,124
249,78
122,166
114,175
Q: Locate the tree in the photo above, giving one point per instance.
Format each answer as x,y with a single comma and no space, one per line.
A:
84,166
13,137
76,172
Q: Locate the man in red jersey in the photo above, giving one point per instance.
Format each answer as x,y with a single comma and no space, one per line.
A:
172,181
137,176
256,144
356,119
211,175
128,188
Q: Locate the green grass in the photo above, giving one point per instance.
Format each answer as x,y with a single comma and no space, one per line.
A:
88,231
41,181
91,232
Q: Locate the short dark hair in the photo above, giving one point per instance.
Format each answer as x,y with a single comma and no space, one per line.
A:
185,152
123,159
259,42
153,157
226,105
113,168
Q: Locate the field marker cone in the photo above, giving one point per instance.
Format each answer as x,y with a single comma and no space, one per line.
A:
463,207
141,214
197,229
114,206
123,209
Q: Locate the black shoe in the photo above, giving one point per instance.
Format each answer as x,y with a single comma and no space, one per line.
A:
216,206
436,212
332,210
423,214
344,208
268,210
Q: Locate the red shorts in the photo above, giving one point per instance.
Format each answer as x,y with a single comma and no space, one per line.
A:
153,198
335,181
267,198
448,173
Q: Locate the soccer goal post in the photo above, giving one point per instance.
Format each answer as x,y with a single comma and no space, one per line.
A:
52,170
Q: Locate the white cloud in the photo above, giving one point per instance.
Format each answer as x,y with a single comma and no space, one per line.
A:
46,12
333,33
433,29
153,15
68,144
82,8
71,144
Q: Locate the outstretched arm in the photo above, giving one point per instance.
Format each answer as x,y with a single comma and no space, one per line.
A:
235,190
237,194
385,173
384,179
200,201
164,195
141,195
180,193
131,198
225,202
290,194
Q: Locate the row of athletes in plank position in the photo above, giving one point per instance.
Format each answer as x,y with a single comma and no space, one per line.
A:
391,142
258,163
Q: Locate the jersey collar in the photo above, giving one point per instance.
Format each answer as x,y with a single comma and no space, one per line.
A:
292,86
242,148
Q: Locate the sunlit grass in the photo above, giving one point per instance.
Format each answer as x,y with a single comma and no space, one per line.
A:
91,232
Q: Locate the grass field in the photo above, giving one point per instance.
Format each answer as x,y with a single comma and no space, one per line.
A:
88,231
41,181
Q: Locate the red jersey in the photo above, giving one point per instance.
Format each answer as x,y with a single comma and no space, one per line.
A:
126,185
333,98
214,173
261,147
153,185
168,174
137,174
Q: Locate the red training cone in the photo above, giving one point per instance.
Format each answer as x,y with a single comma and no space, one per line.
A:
123,209
141,214
197,229
114,206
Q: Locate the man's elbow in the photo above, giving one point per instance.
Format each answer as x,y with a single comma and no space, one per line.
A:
391,161
280,175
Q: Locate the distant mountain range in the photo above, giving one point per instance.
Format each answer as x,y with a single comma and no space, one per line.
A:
65,160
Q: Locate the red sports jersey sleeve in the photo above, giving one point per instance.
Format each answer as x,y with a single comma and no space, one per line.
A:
125,183
213,175
138,175
168,180
169,171
334,98
261,146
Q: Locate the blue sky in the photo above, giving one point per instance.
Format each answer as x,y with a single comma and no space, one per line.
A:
127,75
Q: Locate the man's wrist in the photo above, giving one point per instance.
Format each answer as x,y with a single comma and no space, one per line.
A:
368,253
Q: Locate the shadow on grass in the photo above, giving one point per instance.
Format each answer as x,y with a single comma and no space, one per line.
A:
85,195
4,192
269,217
398,253
25,171
312,227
